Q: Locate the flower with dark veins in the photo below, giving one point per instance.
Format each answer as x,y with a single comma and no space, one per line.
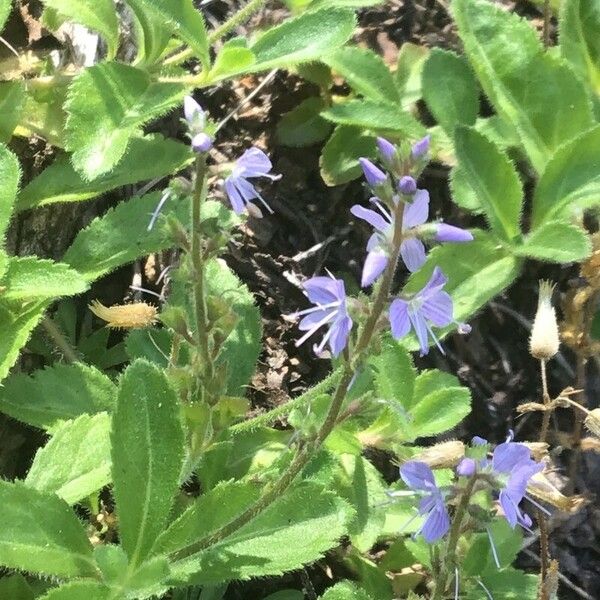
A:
253,163
329,297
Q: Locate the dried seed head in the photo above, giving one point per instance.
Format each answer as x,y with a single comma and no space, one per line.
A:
544,340
541,488
590,444
125,316
539,450
442,456
592,422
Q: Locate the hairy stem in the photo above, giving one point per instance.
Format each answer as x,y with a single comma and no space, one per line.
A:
306,452
60,340
578,425
449,558
546,26
546,400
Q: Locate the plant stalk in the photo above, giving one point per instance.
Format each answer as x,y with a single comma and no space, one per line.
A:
579,420
60,340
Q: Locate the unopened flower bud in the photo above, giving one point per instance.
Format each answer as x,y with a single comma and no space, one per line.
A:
201,142
592,422
544,340
196,121
467,467
125,316
387,150
421,148
373,174
449,233
407,185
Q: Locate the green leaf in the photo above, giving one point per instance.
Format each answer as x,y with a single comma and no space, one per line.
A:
570,181
75,463
507,544
375,116
12,103
145,474
121,235
57,393
533,90
295,530
463,193
365,72
408,76
97,15
345,590
29,278
494,180
79,590
439,411
556,241
508,584
339,159
432,380
42,534
5,8
10,174
579,24
106,106
16,587
16,327
320,4
184,21
450,90
303,125
305,38
151,31
232,59
394,374
146,158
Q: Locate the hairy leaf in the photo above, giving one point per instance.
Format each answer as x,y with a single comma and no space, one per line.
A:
152,32
304,125
439,411
15,587
106,107
295,530
365,72
494,180
79,590
450,89
345,590
339,159
533,90
408,76
42,534
145,474
12,103
146,158
556,241
394,374
97,15
10,174
75,463
232,59
29,278
57,393
570,181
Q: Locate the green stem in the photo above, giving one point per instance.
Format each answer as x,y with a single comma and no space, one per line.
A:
197,255
303,456
229,25
449,559
60,340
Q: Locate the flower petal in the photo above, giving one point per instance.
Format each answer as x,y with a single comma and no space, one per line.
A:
192,110
340,330
254,163
321,290
436,524
436,282
417,475
374,266
420,326
413,254
237,202
508,508
312,319
417,211
509,455
371,217
399,320
438,309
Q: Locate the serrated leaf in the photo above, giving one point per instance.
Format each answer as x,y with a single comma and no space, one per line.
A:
307,37
439,411
12,103
303,125
450,89
394,374
57,393
432,380
97,15
339,159
146,158
121,235
494,180
152,32
75,463
533,90
184,21
295,530
375,116
345,590
556,241
579,24
463,193
365,72
411,59
10,174
79,590
107,105
30,278
16,327
145,474
570,181
42,534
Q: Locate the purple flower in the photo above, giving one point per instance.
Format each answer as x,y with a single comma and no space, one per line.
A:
253,163
407,185
196,120
412,249
373,174
449,233
421,148
419,477
387,150
430,306
329,296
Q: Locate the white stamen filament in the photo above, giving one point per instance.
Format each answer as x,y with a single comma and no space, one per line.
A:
315,327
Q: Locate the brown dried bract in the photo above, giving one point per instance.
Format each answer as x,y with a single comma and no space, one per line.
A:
125,316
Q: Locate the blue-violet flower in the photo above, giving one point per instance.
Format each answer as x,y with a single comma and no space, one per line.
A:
196,120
